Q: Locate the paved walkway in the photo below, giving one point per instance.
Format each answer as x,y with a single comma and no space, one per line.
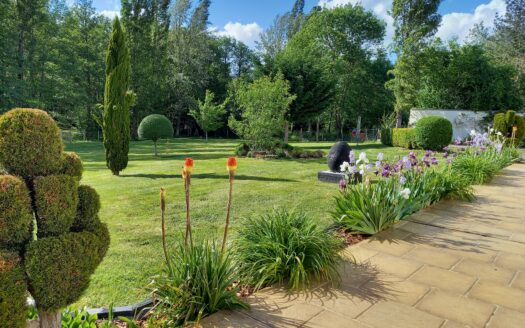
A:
452,265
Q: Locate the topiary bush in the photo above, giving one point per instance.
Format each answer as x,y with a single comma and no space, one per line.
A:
88,207
433,132
16,215
154,127
386,136
505,122
72,165
403,137
30,153
55,263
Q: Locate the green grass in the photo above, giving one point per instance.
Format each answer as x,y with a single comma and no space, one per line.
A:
130,203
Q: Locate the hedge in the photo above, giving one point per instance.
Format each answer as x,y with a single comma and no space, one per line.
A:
403,137
72,165
386,136
88,207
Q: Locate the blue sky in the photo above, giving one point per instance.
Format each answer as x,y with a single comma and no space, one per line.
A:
245,19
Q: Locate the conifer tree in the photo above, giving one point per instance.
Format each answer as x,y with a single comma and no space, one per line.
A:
117,101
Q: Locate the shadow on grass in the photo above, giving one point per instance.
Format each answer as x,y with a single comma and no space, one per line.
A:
239,177
204,176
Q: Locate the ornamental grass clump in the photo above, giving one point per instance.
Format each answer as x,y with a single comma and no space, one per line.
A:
200,278
51,240
286,247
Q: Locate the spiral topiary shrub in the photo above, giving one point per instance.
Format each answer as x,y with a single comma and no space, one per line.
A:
16,214
55,263
154,127
30,143
433,132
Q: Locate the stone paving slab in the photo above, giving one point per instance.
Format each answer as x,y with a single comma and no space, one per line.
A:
452,265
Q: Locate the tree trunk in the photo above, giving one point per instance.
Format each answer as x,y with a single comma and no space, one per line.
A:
317,130
286,132
50,320
399,119
155,145
206,133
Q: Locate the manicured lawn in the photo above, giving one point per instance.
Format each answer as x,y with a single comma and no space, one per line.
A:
130,202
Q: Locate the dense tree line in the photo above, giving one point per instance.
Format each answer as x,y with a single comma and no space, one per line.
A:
334,61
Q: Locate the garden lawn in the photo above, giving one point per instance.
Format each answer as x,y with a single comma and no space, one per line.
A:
130,202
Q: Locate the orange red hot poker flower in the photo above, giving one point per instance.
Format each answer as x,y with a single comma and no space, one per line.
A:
231,164
188,165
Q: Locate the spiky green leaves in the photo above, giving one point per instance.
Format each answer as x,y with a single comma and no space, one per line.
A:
15,212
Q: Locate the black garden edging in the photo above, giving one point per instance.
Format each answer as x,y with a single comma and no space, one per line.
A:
134,311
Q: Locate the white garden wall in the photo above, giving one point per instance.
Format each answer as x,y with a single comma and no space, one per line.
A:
463,121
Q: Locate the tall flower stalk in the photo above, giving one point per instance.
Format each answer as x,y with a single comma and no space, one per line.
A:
186,175
163,223
231,167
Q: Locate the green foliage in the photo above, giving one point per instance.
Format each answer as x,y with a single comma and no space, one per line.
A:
504,122
33,151
433,132
263,105
117,101
88,208
242,149
500,123
72,165
56,200
403,137
369,209
286,247
16,216
75,318
386,136
197,283
12,290
415,22
154,127
60,267
480,167
208,115
464,77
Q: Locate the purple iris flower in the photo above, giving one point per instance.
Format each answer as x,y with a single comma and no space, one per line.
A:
445,155
499,146
352,157
434,161
342,184
402,179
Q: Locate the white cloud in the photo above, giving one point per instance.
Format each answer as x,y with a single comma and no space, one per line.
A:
458,25
110,13
453,25
247,33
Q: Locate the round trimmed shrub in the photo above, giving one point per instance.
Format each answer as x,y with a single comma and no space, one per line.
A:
154,127
60,267
56,201
30,143
433,132
72,165
88,207
16,214
13,307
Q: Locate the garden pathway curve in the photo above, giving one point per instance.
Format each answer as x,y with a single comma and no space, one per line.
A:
455,264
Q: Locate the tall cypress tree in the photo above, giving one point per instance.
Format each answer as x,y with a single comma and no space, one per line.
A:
117,101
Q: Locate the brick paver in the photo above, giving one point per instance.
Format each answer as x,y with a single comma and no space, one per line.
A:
454,264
